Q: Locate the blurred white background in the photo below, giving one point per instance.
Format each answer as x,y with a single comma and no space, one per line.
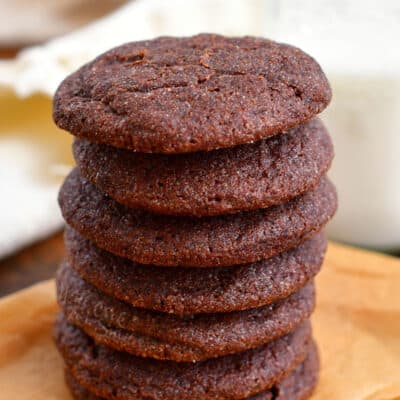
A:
355,41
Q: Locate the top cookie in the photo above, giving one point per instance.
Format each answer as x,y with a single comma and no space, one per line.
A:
178,95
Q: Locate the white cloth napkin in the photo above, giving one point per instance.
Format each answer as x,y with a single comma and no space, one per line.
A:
28,207
41,68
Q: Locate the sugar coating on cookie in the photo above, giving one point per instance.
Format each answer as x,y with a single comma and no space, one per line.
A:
245,177
170,337
176,95
188,291
194,242
108,373
299,385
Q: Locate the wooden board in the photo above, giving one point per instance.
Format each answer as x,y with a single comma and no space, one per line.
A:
356,324
33,264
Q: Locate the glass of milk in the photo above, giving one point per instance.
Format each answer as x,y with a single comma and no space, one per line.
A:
358,45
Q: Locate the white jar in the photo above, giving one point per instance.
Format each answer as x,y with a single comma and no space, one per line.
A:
358,45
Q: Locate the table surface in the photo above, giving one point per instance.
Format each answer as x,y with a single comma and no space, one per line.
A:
9,52
32,264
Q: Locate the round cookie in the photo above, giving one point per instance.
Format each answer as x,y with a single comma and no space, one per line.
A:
177,95
169,337
299,385
226,181
194,242
111,374
186,291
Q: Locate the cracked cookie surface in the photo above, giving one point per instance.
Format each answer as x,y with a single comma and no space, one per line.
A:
177,95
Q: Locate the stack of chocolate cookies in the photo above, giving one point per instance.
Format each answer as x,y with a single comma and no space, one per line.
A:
195,220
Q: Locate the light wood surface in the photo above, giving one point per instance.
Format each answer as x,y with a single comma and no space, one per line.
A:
356,325
36,263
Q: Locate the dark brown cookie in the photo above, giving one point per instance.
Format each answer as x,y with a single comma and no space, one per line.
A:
177,95
299,385
194,242
188,291
169,337
111,374
245,177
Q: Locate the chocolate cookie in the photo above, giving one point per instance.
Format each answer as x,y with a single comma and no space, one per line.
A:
299,385
111,374
188,291
245,177
177,95
193,242
169,337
